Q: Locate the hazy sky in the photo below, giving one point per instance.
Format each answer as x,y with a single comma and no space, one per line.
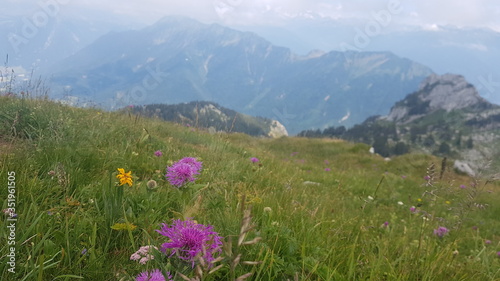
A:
478,13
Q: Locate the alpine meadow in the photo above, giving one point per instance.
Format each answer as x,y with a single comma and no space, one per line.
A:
99,195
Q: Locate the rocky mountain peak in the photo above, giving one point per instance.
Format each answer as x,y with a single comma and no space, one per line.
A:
437,92
448,91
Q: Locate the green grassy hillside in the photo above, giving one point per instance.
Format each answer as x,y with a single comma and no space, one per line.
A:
309,209
210,115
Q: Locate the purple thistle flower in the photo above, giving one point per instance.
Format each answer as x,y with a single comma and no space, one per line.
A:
189,239
193,162
179,174
463,186
487,242
254,159
441,231
183,171
386,224
327,169
413,209
158,153
154,275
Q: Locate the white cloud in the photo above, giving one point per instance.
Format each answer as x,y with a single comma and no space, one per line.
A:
479,13
431,27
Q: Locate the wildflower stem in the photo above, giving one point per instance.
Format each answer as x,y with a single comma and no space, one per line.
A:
378,186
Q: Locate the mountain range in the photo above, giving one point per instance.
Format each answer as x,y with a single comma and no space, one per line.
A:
181,60
471,52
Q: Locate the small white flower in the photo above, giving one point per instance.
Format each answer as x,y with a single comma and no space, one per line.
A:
400,203
370,198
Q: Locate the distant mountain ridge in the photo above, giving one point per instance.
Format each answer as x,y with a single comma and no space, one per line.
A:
34,47
213,117
179,60
468,51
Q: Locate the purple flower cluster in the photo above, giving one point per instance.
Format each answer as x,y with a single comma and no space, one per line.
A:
183,171
154,275
254,159
190,240
158,153
441,231
143,255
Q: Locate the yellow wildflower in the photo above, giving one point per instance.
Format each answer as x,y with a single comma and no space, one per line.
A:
125,178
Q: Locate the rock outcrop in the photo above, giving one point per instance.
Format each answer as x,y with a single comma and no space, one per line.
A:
437,92
277,130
